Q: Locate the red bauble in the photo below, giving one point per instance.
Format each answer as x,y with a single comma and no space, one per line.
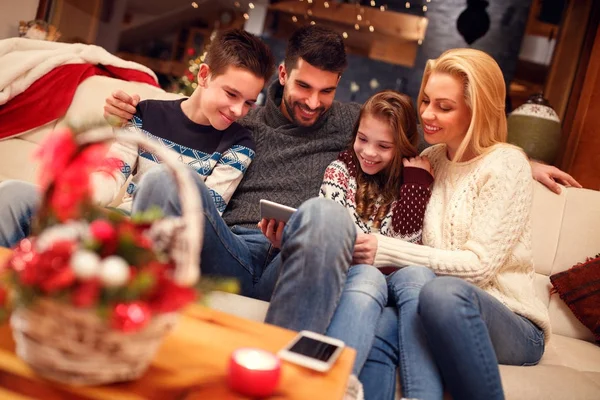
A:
103,231
130,317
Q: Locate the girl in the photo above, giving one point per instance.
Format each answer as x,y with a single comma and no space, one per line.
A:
385,188
470,303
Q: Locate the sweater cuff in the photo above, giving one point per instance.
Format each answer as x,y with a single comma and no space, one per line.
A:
399,253
418,176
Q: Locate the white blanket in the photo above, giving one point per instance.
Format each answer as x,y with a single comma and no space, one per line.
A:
23,61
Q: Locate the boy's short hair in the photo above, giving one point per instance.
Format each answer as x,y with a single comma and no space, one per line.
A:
238,48
321,47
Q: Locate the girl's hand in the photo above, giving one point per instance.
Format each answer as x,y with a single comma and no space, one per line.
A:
365,249
418,162
272,230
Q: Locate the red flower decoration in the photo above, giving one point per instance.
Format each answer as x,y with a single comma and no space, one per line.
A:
54,155
170,297
130,317
86,293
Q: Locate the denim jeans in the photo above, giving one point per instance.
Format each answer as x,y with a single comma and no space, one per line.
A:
355,319
18,202
303,281
445,329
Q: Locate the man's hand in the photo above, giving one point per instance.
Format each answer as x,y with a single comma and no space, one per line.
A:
365,248
548,175
272,230
418,162
120,107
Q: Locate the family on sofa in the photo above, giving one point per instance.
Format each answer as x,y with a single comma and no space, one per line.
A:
450,228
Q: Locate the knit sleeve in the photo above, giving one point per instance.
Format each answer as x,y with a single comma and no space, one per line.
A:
336,183
500,215
409,210
121,160
228,173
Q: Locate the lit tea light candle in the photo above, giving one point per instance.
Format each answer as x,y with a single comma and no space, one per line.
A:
254,372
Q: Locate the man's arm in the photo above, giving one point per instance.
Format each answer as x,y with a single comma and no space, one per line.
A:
549,175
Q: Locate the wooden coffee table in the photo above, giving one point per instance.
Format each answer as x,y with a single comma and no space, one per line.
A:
191,364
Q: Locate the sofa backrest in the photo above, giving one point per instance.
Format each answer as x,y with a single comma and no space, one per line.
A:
566,231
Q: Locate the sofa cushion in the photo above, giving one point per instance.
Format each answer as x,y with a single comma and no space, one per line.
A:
574,353
241,306
548,382
546,220
16,161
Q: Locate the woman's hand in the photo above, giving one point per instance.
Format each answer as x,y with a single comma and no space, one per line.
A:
365,249
418,162
272,230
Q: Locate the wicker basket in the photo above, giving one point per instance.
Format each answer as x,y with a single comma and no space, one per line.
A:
74,345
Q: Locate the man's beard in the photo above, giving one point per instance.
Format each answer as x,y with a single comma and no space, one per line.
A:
298,121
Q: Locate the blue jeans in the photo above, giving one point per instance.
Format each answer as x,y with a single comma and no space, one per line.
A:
445,329
18,202
303,281
361,304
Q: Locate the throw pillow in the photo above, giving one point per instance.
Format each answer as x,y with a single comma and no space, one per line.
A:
579,288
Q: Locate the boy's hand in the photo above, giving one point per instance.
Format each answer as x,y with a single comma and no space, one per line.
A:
365,249
120,107
548,175
418,162
273,230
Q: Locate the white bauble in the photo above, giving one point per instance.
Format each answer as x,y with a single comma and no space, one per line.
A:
114,271
85,264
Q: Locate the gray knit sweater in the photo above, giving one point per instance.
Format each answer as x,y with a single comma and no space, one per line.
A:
290,160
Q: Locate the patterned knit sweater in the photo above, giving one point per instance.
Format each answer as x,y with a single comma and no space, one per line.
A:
290,159
404,220
220,157
478,227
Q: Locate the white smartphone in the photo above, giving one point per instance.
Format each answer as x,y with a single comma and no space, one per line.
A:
312,350
276,211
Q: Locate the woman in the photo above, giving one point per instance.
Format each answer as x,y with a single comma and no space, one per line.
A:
466,301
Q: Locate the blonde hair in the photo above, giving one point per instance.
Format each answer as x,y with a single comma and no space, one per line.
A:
485,95
396,110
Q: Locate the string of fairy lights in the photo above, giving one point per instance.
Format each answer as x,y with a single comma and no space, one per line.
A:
362,22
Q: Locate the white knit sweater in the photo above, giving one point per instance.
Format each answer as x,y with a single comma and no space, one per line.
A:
478,227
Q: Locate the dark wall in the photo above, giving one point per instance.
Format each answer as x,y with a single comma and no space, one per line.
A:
503,41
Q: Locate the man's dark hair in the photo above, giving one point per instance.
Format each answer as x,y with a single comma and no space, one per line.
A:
319,46
238,48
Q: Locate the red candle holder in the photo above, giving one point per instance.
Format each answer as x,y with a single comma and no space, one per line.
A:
254,372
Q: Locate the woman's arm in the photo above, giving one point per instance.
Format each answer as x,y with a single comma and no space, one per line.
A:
501,213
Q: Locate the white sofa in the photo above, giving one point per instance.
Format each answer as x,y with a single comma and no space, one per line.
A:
566,230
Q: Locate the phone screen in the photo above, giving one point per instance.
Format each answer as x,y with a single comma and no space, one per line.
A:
313,348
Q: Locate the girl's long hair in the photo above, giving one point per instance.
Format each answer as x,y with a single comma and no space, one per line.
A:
396,110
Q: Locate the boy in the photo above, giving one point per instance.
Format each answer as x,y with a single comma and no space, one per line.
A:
201,128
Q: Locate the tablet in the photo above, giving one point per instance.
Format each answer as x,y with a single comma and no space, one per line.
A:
276,211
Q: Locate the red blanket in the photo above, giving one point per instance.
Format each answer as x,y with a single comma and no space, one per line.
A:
49,97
